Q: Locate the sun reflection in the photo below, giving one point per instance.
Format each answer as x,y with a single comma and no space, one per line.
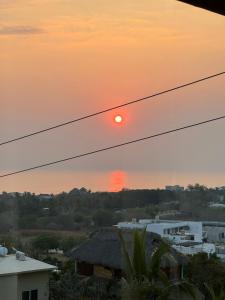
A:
117,181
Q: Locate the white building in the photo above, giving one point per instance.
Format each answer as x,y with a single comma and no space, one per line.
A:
186,236
194,248
217,205
215,231
45,197
220,252
23,279
176,231
174,188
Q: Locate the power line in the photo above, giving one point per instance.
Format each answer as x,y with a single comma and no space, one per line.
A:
114,146
110,109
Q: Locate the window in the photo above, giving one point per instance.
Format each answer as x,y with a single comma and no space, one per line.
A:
30,295
34,295
26,295
221,235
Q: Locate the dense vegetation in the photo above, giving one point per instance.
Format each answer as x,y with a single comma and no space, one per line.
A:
144,281
35,224
82,208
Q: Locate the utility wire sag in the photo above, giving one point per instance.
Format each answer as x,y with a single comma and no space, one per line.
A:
26,136
114,146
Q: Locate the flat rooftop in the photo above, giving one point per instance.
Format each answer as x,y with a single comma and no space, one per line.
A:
9,265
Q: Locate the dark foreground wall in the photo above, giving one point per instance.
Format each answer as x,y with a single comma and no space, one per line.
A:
217,6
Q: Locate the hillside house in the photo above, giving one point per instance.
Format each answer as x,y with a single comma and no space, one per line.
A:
24,279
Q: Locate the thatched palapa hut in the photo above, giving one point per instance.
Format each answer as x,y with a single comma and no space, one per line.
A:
101,255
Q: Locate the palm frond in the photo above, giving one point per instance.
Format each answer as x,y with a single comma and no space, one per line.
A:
185,287
163,278
146,279
214,296
139,254
128,264
156,259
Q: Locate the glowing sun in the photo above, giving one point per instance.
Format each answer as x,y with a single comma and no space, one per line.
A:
118,119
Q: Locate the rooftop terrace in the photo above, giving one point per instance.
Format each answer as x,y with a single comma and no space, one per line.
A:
9,265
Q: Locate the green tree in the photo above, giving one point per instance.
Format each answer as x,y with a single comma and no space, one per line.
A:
45,242
103,218
70,242
78,217
206,271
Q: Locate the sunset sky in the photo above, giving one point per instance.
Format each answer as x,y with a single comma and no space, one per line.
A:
62,59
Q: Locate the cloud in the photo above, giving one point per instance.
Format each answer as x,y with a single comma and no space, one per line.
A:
8,4
20,30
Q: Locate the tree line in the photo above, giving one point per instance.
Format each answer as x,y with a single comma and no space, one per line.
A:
81,208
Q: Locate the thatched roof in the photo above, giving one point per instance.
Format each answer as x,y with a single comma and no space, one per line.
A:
104,248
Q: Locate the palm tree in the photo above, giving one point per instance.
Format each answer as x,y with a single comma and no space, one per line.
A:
144,277
219,295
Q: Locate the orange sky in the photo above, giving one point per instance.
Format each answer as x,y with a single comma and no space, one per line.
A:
61,59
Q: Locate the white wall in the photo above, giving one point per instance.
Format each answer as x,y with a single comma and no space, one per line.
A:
214,233
205,247
34,281
130,225
195,228
8,287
